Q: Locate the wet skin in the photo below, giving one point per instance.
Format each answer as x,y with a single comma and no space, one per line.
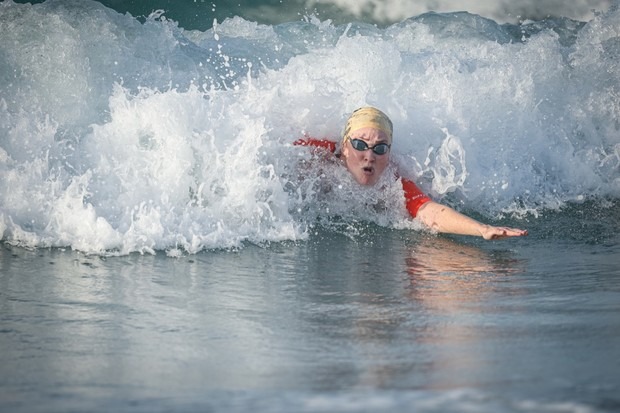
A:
366,166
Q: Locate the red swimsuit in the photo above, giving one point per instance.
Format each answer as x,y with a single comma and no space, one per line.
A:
414,197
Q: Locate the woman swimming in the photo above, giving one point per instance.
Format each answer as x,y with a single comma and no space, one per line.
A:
365,152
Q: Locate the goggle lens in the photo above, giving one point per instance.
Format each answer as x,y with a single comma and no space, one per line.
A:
378,149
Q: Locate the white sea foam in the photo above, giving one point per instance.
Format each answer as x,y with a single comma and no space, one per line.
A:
120,136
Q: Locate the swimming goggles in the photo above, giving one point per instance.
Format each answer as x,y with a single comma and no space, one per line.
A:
378,149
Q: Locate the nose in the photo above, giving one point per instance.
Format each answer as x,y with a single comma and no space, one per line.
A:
369,155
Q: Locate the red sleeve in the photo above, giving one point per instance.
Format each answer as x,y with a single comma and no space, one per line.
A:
414,197
318,143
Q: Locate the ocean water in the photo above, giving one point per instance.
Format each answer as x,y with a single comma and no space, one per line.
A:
394,321
166,247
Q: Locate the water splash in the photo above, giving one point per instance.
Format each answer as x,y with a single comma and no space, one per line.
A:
119,136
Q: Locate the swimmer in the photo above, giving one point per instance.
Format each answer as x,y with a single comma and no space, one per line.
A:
365,152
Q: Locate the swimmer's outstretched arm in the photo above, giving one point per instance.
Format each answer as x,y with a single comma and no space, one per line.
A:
445,219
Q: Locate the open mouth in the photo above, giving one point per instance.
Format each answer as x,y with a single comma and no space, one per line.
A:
368,170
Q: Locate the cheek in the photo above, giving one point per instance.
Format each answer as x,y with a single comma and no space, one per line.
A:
382,162
349,156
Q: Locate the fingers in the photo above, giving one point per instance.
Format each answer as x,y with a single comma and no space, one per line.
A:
504,232
515,232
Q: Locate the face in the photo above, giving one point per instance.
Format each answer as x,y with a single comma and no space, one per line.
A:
366,166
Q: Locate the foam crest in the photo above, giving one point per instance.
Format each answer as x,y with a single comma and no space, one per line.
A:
190,178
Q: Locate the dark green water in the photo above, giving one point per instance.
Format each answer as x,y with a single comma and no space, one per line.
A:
199,14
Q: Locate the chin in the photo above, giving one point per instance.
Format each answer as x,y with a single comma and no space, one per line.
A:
367,180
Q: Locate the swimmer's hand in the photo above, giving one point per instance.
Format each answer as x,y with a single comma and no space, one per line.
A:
490,232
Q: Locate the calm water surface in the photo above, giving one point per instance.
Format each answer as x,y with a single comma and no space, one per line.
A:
388,321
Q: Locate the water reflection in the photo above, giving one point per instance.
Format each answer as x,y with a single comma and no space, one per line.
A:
388,312
444,273
323,316
426,329
462,289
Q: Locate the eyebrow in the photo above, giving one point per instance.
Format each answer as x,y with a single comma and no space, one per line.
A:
365,136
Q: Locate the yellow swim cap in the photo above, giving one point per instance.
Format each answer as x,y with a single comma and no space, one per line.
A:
367,117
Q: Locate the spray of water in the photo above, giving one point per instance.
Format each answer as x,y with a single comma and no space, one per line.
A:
118,135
